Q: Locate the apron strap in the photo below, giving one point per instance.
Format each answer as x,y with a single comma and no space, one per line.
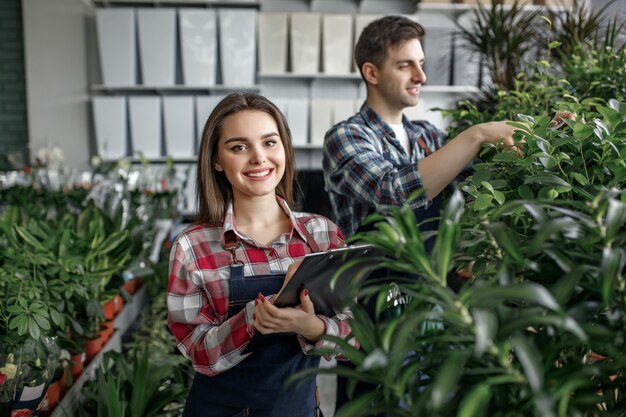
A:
422,145
231,243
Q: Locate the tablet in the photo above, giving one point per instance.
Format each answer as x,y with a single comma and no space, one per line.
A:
328,290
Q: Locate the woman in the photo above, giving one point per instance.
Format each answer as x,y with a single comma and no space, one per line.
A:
225,269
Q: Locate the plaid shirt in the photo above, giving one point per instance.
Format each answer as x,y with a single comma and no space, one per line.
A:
367,170
198,292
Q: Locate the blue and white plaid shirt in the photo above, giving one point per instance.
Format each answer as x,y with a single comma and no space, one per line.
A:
367,170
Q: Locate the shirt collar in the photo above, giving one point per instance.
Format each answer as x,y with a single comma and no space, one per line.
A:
375,122
229,220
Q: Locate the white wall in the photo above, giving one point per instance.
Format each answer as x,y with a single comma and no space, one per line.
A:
61,64
55,48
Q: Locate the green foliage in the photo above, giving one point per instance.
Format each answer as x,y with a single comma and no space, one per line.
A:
540,60
53,272
139,387
503,35
540,329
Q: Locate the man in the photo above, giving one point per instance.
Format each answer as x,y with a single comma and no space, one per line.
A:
376,159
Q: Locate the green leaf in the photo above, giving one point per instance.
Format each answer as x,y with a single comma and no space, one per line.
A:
20,323
582,131
615,218
444,247
580,178
483,202
42,322
554,44
530,359
447,378
476,402
480,175
30,239
546,178
485,327
507,241
114,405
487,186
525,192
33,329
499,196
357,406
611,267
528,291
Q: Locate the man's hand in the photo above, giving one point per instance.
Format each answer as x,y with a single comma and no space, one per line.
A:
558,120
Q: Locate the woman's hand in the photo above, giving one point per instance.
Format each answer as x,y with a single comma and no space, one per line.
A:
300,319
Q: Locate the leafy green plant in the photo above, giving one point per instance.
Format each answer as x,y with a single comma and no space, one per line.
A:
540,328
574,26
503,36
139,387
518,341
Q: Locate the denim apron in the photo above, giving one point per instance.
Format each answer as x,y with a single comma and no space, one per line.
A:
256,386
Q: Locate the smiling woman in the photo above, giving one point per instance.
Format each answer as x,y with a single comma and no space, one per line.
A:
225,269
251,153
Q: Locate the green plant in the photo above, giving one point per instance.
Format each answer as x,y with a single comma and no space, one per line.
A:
597,67
503,36
540,329
574,26
141,387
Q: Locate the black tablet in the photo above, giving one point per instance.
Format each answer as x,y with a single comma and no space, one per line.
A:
329,288
328,285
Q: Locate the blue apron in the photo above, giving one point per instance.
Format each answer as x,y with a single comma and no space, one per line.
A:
256,386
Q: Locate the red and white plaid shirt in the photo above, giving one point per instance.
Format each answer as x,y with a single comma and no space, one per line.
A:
198,292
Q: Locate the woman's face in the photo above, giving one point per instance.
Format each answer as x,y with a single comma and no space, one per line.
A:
250,152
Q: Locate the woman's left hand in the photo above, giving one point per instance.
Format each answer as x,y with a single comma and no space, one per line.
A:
300,319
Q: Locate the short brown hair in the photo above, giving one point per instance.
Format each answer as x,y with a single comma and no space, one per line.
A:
213,190
382,33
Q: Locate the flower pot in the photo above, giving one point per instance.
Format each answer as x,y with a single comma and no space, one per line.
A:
78,361
130,286
118,303
108,308
50,401
63,382
107,330
92,347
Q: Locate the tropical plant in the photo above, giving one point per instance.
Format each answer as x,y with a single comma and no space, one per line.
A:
540,328
503,36
574,26
139,387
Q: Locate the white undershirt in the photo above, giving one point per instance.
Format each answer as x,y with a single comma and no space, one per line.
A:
402,137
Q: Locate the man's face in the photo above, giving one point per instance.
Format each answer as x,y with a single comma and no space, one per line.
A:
401,75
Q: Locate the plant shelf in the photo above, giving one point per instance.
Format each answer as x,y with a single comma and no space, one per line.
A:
70,402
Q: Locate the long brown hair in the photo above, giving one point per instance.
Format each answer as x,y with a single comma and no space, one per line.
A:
213,190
